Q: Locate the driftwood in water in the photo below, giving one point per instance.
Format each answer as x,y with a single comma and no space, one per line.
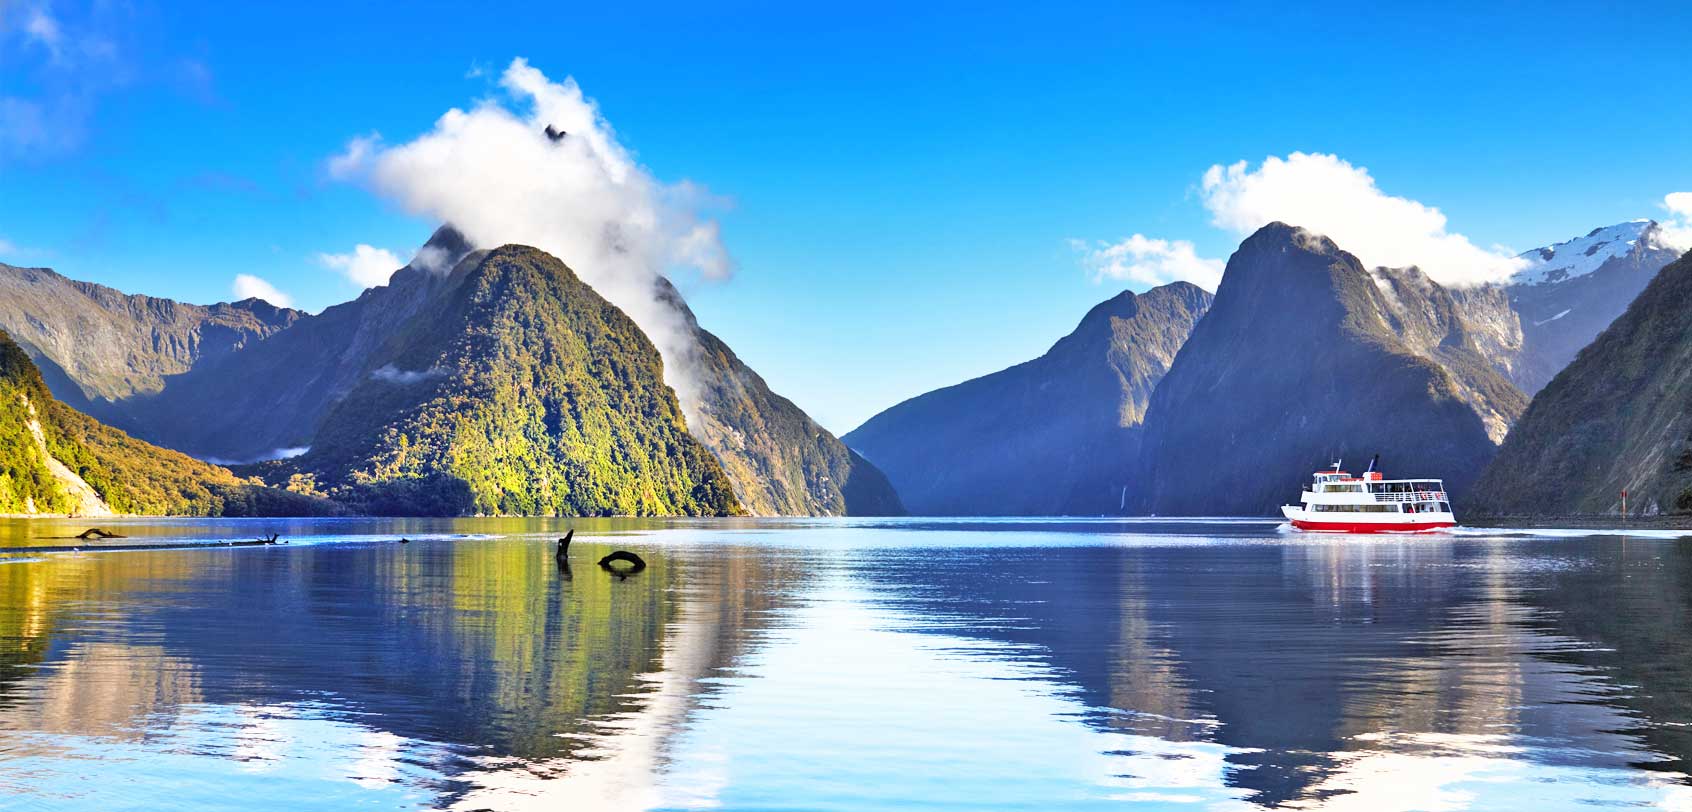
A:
634,561
263,540
132,546
563,555
93,533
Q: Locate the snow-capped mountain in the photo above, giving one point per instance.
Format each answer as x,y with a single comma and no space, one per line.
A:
1585,255
1571,291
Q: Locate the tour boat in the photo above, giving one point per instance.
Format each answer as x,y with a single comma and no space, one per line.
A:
1338,502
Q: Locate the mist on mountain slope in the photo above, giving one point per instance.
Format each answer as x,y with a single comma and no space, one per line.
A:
497,174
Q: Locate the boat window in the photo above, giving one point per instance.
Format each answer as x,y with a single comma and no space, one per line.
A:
1445,507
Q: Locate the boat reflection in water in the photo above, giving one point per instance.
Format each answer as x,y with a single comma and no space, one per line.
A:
847,665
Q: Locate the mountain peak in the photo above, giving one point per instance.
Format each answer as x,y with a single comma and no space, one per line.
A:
443,250
1583,255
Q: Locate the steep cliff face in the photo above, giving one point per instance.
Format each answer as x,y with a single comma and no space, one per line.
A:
95,345
1618,418
1303,357
1575,289
1056,435
1435,324
516,389
782,463
267,399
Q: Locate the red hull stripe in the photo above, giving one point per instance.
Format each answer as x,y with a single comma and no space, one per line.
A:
1370,527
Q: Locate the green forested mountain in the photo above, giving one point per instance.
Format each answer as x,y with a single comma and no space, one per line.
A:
1619,417
1055,435
1306,356
514,389
273,394
54,459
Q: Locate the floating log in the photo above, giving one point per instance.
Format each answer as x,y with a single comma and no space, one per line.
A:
93,533
132,546
636,564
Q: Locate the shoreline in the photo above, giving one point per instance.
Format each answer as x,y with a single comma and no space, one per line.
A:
1573,522
1586,522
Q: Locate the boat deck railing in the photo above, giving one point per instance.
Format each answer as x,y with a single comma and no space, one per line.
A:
1410,496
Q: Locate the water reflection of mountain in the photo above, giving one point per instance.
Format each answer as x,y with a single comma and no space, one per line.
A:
1310,660
1630,603
484,646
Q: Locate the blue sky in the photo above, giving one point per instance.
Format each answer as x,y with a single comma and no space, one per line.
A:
899,188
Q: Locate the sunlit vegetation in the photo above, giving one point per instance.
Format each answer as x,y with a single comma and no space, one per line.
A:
533,395
129,476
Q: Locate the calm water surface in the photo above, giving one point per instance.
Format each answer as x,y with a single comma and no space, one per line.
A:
844,665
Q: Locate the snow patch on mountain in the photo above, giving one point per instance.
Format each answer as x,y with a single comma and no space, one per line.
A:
1583,255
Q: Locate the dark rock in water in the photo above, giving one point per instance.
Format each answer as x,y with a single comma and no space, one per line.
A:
635,562
1056,435
1618,418
1305,356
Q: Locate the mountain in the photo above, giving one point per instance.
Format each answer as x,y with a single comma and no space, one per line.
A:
1306,356
781,462
1618,417
514,389
1055,435
54,459
1571,291
267,399
95,345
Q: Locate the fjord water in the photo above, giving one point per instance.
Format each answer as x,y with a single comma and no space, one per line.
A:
844,664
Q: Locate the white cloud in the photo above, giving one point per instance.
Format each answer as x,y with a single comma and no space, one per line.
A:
355,158
248,286
1326,194
41,27
493,172
403,377
1141,260
367,266
62,68
1677,227
7,246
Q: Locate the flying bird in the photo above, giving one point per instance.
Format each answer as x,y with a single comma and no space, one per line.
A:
555,134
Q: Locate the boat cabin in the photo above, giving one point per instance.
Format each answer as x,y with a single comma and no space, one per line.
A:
1388,495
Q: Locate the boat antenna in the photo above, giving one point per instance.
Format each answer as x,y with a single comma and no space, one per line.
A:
1337,461
1374,462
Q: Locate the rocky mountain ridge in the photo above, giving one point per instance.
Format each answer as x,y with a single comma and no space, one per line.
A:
1304,357
1055,435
